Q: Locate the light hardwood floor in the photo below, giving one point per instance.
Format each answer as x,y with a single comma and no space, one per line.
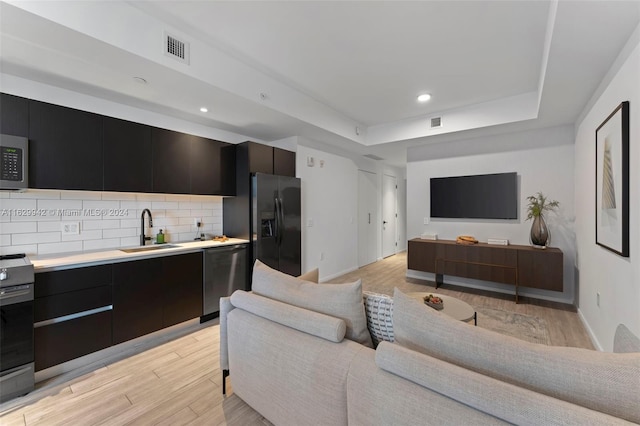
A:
179,382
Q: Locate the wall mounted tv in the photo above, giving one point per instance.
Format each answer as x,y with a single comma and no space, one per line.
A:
491,196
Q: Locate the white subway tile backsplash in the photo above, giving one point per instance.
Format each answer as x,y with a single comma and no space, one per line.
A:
130,241
164,205
99,224
44,226
60,247
30,222
37,194
108,243
122,232
35,238
119,196
29,249
81,195
15,206
150,197
8,228
85,235
177,197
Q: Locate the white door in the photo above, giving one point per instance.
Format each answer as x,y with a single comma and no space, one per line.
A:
367,218
389,215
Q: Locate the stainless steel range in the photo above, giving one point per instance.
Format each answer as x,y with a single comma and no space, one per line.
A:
16,326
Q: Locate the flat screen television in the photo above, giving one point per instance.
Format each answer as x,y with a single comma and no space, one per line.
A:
491,196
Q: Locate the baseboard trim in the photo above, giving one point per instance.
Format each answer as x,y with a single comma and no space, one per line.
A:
594,340
337,274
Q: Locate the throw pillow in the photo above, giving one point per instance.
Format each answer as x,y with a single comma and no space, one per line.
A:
572,374
379,310
342,301
311,276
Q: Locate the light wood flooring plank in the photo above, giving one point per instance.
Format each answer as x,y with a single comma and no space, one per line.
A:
179,381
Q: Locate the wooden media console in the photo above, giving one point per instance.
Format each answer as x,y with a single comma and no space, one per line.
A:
521,266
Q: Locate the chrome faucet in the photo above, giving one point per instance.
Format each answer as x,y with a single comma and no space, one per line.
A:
143,239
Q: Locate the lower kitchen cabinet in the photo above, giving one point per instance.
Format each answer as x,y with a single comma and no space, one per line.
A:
64,341
152,294
182,288
72,314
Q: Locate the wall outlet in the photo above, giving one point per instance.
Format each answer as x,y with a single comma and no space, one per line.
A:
70,228
309,223
426,220
321,255
598,299
197,221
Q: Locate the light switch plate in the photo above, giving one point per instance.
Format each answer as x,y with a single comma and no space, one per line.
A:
70,228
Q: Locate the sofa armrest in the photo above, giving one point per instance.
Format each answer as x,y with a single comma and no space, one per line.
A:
505,401
225,308
625,341
314,323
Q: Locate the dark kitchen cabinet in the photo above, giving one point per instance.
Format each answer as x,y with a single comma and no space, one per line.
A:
252,157
127,156
152,294
206,166
72,314
14,115
284,162
182,288
137,298
65,148
171,161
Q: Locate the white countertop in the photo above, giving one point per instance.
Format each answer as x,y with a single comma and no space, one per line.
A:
60,261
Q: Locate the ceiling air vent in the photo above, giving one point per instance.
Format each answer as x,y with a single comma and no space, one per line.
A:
436,122
176,48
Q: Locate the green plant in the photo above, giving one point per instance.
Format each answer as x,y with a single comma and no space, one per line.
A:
538,204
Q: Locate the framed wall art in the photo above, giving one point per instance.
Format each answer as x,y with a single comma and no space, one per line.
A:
612,181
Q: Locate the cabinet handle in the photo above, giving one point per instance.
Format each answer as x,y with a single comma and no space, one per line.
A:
72,316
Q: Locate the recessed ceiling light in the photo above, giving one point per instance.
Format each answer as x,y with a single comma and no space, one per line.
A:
140,80
203,109
424,97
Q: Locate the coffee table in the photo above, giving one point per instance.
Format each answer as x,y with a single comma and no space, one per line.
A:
455,308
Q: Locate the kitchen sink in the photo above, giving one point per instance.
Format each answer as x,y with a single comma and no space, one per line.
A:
148,248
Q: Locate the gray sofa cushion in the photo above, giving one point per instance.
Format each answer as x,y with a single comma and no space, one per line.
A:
601,381
289,377
625,341
314,323
378,398
505,401
342,301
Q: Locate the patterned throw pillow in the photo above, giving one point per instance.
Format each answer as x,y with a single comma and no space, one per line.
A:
379,310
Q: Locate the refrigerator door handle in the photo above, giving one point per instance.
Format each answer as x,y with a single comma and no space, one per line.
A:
278,222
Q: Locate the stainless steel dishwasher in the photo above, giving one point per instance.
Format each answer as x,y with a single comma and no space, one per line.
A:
225,271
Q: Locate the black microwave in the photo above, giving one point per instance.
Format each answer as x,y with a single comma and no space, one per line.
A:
14,162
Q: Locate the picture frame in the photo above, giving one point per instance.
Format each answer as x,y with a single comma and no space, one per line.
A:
612,181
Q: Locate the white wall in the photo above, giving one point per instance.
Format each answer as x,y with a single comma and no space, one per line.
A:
548,169
330,201
616,278
31,222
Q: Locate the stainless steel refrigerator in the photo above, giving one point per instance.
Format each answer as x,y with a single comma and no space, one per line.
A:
276,222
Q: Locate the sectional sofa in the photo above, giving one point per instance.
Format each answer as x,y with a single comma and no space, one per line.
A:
300,354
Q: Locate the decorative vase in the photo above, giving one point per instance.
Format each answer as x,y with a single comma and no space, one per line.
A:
539,233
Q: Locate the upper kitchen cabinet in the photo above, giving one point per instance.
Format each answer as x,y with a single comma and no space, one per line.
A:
14,115
284,162
171,161
254,157
65,148
211,172
127,156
